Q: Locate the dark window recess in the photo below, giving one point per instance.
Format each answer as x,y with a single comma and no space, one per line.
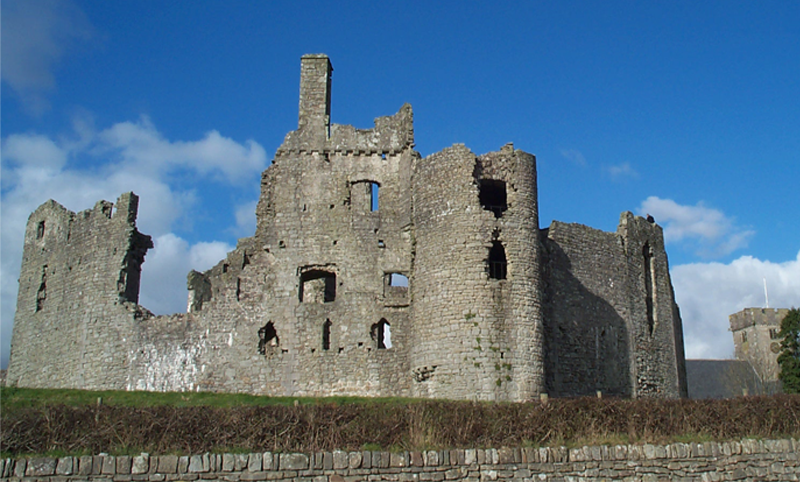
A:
317,286
267,336
41,294
647,255
40,230
498,266
381,334
492,194
773,334
326,335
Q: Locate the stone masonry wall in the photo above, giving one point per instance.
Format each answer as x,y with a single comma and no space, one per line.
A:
612,323
372,272
477,336
748,460
588,320
76,306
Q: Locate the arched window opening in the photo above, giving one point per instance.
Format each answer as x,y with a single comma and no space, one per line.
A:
498,266
317,286
649,275
381,334
492,194
40,230
267,337
326,335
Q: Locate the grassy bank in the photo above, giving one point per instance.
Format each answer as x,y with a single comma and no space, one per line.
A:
72,422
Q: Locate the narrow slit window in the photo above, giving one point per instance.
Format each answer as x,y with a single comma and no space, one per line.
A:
373,191
498,266
326,335
317,286
493,197
40,230
381,334
649,275
41,293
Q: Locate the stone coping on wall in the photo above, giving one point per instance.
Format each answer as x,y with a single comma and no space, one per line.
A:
708,461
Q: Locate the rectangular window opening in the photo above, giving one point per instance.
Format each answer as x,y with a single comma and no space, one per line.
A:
498,266
492,195
317,286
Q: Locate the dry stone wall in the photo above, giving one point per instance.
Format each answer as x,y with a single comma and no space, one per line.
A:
748,460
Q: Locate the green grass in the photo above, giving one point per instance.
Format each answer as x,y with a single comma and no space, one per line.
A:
12,398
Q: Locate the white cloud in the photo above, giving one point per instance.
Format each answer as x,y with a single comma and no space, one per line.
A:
163,285
141,144
574,155
707,230
246,219
708,292
621,171
35,35
36,168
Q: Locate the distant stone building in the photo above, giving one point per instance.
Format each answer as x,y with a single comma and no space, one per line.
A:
372,272
755,340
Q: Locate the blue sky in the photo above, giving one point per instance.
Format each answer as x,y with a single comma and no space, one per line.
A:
689,111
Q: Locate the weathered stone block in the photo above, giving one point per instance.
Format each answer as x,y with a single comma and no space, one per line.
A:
168,464
398,459
354,460
140,464
41,466
109,465
123,465
339,460
294,462
183,464
266,461
254,462
196,464
20,468
65,466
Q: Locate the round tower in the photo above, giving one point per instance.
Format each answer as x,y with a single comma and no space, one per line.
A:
476,294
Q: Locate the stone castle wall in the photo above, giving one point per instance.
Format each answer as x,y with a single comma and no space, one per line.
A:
76,306
313,304
748,460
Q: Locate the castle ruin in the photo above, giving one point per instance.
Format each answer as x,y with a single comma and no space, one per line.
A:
372,272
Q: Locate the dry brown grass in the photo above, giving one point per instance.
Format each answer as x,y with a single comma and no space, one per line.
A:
390,425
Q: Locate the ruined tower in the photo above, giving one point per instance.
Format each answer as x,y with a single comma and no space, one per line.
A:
372,272
78,289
